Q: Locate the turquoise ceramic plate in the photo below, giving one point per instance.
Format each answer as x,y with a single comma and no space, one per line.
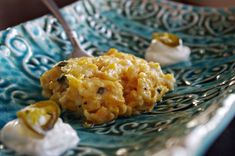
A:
185,122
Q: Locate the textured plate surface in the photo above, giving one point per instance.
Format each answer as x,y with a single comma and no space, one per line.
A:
186,120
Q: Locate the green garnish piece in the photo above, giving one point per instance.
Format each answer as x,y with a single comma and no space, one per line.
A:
167,39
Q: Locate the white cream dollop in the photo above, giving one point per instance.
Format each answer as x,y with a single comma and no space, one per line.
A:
166,55
17,136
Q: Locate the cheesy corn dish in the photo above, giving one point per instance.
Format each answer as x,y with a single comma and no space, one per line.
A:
103,88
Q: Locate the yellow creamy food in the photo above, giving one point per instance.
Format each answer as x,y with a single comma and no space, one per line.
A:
103,88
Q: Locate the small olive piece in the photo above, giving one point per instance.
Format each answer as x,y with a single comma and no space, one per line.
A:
167,39
40,117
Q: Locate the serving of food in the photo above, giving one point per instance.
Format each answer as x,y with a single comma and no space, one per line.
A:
121,101
102,88
99,89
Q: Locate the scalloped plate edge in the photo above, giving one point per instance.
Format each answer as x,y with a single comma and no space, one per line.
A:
201,137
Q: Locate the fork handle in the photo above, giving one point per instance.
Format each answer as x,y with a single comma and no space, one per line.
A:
52,6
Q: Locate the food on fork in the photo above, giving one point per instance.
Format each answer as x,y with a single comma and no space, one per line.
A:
103,88
167,49
39,131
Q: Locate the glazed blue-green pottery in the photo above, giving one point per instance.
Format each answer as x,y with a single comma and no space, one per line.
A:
185,122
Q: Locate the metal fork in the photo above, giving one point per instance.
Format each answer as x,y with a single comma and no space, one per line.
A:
54,9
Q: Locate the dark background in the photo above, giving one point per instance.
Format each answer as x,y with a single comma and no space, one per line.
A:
13,12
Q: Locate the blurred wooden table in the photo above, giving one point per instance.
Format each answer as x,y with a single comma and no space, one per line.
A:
13,12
